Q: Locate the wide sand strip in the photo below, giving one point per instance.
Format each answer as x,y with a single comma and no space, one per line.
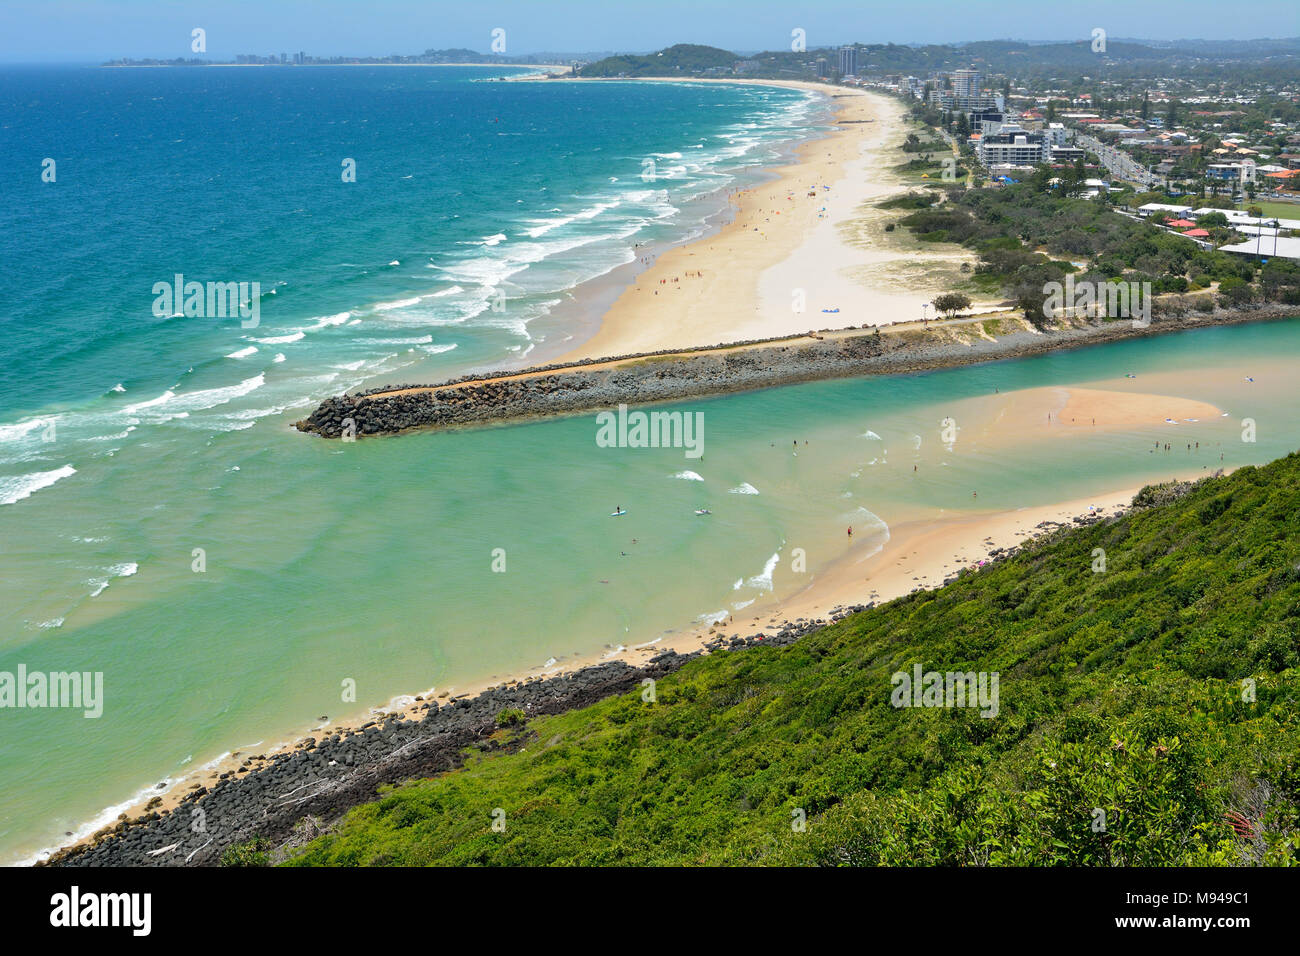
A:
790,256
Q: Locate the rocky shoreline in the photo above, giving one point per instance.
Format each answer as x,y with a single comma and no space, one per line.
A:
290,796
593,384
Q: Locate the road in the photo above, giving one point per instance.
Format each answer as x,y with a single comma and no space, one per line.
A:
1118,163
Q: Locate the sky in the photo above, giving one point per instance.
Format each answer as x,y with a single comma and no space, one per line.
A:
33,31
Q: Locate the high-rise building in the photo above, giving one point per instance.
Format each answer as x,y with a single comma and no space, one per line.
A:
849,60
966,83
965,94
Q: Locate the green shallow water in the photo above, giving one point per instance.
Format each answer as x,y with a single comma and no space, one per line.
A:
373,561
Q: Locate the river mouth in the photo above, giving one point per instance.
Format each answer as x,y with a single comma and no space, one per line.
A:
449,560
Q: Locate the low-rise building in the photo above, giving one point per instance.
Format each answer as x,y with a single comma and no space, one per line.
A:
1242,171
1149,209
1268,247
1014,146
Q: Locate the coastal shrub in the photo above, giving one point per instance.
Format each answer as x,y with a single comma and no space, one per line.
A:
915,145
1279,280
1172,306
256,852
510,716
1122,737
910,200
1235,291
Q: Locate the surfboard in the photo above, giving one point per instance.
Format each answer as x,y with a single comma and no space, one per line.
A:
618,514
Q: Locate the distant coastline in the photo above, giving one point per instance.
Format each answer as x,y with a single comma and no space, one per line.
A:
537,68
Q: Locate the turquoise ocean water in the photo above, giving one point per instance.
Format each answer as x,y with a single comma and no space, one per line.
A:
131,442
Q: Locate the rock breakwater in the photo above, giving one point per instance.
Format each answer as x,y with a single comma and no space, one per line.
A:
673,376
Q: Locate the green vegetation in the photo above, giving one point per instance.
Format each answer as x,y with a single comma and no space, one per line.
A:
1277,210
909,200
950,303
913,144
256,852
684,58
1147,715
1008,226
510,717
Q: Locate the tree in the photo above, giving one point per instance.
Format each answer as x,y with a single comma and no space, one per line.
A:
950,303
1145,111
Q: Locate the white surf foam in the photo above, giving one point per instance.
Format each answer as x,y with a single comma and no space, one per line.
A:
282,339
17,487
173,405
22,429
124,570
763,581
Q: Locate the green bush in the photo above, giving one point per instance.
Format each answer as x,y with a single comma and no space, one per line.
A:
256,852
510,717
1235,291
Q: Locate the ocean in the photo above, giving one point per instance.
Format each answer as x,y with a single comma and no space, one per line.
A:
161,523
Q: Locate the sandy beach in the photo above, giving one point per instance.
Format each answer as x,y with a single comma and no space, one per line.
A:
798,254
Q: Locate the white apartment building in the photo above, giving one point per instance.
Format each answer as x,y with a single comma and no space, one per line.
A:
1013,145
